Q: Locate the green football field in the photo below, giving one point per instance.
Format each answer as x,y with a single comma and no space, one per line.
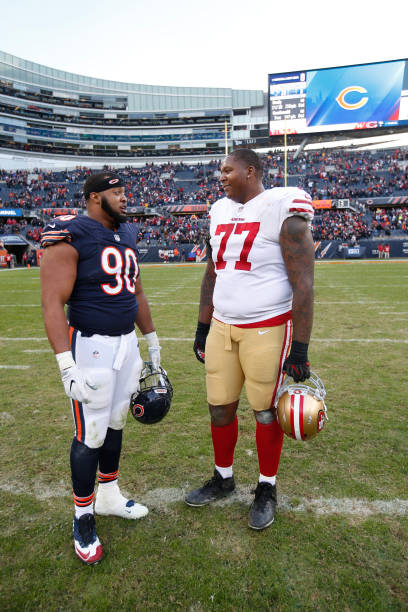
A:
340,537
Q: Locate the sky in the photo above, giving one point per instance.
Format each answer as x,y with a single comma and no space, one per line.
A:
207,43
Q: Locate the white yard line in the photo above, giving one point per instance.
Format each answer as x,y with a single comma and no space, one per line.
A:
171,339
394,314
163,498
366,302
14,367
6,339
363,340
20,305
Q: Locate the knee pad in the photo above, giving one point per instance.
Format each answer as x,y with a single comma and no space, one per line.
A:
265,416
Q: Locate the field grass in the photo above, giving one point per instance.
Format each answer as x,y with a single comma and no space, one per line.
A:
340,538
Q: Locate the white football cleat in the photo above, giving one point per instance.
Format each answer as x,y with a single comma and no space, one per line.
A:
111,502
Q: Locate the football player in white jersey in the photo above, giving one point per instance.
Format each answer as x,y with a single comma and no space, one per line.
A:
255,319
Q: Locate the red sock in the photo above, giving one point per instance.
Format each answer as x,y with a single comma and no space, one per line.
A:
224,441
269,441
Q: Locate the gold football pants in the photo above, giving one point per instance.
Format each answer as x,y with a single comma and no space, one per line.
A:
253,356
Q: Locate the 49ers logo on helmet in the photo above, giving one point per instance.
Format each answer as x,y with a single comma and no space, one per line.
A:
113,181
320,420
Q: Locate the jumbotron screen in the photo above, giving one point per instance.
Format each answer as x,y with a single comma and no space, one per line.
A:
362,96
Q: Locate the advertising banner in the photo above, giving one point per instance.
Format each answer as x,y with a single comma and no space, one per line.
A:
11,212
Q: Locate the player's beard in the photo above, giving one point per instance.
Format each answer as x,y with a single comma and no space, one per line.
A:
115,216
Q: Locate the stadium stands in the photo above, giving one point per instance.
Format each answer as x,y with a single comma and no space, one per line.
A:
350,189
52,113
55,116
325,175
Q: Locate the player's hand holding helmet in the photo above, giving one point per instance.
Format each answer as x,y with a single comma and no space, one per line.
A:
77,385
301,409
153,348
152,402
297,364
200,339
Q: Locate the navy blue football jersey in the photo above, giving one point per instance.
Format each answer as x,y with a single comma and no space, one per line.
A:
103,299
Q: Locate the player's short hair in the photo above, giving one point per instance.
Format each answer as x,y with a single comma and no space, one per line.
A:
100,182
249,158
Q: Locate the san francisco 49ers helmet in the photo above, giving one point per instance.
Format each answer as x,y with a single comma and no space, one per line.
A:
152,402
300,407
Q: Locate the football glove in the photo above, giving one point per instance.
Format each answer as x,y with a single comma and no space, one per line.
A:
153,348
199,342
77,385
296,364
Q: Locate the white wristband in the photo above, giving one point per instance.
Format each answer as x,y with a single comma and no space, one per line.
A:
65,360
152,339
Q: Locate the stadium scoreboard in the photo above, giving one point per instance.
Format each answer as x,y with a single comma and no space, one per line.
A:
361,96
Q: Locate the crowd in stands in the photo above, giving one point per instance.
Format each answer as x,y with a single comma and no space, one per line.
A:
340,225
385,221
324,174
329,174
333,174
170,231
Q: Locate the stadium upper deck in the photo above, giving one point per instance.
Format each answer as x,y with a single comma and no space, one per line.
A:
48,111
51,118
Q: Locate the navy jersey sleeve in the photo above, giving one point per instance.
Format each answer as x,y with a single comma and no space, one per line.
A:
57,230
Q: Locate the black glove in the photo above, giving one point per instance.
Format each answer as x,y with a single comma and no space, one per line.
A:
199,342
297,365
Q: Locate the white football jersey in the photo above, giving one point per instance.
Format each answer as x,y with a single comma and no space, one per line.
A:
252,284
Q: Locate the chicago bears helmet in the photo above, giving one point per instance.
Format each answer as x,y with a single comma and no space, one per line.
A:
152,402
300,407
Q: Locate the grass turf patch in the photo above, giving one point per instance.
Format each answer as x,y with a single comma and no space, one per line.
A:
207,558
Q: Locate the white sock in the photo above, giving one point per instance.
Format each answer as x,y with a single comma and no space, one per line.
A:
81,510
108,486
270,479
226,472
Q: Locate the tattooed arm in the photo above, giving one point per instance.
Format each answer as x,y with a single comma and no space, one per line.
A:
298,254
206,307
207,290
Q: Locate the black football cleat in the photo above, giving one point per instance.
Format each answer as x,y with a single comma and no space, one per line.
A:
215,488
262,511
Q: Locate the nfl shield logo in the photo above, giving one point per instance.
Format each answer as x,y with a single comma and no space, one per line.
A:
117,238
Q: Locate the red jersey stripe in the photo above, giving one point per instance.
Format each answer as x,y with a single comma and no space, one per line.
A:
272,322
302,210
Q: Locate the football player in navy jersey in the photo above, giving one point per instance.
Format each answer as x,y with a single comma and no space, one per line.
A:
90,264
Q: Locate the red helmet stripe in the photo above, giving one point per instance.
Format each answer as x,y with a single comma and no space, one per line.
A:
292,416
